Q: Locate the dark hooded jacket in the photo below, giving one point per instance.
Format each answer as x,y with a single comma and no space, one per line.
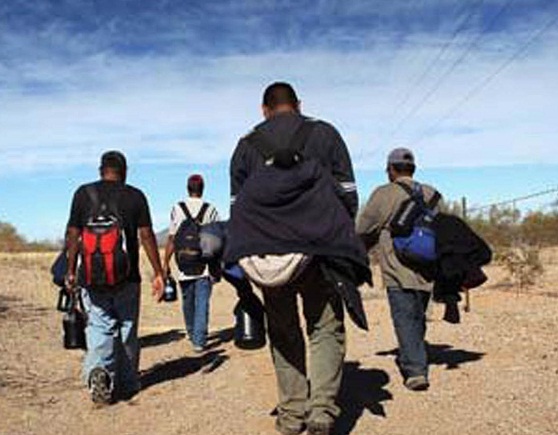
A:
301,209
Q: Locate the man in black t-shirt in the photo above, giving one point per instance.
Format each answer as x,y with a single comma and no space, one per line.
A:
112,310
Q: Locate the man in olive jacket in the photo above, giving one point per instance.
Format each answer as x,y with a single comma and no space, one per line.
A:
408,292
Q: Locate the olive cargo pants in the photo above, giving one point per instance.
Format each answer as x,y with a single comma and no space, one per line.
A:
302,399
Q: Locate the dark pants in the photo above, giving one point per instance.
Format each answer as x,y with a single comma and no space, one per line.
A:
300,397
408,308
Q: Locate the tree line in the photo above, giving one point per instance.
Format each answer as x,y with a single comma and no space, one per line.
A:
12,241
501,227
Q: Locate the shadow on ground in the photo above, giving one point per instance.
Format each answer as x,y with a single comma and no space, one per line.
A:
361,389
217,338
444,354
161,338
441,354
13,308
5,303
181,367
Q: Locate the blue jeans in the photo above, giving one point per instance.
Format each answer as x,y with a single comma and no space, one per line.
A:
195,307
112,335
408,308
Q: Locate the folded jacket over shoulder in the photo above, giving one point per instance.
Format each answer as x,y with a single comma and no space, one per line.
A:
461,254
298,210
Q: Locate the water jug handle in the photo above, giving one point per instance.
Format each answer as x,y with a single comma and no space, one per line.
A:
62,303
73,303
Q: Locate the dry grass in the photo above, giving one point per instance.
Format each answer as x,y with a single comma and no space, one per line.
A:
496,373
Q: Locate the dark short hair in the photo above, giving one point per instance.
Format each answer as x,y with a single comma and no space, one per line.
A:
114,160
280,93
195,185
403,168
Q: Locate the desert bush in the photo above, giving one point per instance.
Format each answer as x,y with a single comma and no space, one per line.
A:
541,229
517,240
12,241
503,228
522,262
500,228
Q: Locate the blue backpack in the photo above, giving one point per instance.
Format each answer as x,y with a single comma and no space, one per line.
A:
414,239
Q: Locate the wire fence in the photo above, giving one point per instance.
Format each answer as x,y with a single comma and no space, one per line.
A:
511,202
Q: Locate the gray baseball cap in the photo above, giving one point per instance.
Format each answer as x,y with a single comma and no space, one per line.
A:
401,155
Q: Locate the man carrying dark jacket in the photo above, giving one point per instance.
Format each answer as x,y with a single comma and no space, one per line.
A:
408,291
302,404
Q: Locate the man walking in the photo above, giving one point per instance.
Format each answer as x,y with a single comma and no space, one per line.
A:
303,404
194,276
408,292
105,220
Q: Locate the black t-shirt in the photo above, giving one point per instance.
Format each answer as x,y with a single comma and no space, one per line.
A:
131,206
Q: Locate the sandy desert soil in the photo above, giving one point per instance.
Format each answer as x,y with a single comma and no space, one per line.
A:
495,373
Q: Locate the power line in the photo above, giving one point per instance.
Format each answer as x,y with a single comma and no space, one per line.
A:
512,201
453,67
486,81
418,81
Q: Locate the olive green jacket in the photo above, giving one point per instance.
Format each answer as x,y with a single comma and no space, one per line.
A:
372,225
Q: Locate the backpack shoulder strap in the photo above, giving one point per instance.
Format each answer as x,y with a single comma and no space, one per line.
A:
184,208
101,203
112,205
93,195
433,202
201,213
416,193
413,192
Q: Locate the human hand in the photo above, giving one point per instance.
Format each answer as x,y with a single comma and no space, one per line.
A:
158,287
70,283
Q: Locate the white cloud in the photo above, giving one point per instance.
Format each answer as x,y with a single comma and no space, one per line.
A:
179,107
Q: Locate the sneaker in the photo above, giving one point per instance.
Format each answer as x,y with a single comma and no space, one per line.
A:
285,429
198,349
417,383
100,386
319,428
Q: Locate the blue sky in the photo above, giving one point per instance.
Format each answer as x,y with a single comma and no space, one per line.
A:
471,86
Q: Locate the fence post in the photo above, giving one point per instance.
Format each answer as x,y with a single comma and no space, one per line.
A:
467,307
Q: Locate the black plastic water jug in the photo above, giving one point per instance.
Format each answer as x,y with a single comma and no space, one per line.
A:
73,324
74,330
249,330
169,295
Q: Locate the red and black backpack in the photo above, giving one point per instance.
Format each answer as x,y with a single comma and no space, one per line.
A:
104,257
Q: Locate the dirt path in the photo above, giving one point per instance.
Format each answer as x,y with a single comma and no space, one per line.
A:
495,373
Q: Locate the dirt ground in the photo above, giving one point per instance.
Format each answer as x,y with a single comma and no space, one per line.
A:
495,373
